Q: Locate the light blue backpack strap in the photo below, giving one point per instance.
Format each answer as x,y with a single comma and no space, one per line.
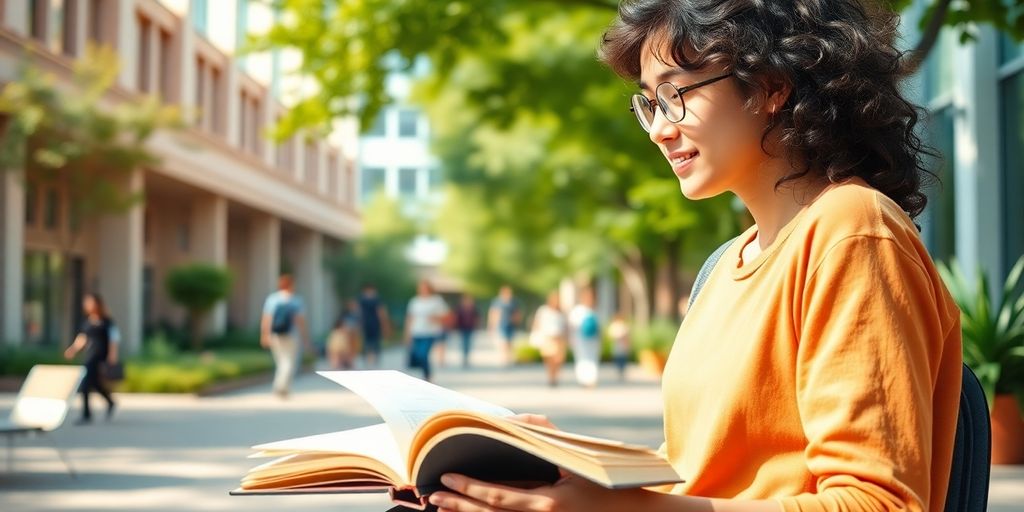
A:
705,271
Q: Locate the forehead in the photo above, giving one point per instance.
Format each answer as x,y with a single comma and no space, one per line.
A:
657,63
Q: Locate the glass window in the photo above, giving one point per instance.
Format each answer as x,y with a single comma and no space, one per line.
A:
200,110
373,181
938,222
380,125
407,182
95,22
199,13
41,311
1009,50
1012,92
37,19
165,64
436,177
407,121
144,57
183,237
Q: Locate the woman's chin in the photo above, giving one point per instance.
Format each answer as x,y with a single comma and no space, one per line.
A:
693,189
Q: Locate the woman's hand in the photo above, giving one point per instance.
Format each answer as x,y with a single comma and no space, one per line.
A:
570,494
69,353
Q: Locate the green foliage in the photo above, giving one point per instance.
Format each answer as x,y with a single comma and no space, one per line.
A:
658,336
72,140
198,287
378,256
993,334
192,373
17,361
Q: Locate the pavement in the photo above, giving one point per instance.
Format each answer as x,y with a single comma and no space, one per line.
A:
180,452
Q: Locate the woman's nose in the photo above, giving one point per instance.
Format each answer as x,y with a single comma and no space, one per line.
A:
662,129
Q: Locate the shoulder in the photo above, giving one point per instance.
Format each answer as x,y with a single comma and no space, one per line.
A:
851,210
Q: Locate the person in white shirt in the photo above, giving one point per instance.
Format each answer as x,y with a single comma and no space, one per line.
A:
424,324
548,335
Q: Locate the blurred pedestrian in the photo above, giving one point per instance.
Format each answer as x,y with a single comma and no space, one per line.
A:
344,342
283,330
586,339
424,324
466,318
375,323
99,338
502,319
548,334
622,346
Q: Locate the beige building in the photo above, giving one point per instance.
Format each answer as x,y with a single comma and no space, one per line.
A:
222,194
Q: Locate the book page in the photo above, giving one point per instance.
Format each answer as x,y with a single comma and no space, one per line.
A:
405,402
374,442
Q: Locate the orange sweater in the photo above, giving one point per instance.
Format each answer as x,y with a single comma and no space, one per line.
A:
825,373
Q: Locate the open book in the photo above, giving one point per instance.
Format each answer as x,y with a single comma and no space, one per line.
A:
429,431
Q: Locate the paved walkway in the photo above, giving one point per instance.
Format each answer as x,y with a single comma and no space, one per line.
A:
171,453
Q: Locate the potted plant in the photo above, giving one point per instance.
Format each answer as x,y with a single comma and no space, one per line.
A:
653,344
993,345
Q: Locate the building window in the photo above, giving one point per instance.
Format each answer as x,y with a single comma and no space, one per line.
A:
249,136
200,113
286,154
95,22
43,294
214,101
435,178
1012,99
407,182
37,19
407,121
144,58
200,10
938,221
380,125
165,66
374,179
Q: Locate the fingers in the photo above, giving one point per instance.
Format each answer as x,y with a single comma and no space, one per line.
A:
477,496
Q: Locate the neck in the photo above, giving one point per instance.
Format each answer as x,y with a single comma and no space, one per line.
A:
773,207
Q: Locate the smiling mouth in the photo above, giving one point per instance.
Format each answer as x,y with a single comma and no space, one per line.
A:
683,158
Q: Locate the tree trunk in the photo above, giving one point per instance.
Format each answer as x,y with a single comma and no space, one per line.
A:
635,280
913,60
195,327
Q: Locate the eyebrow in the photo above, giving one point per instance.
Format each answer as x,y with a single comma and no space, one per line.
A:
662,77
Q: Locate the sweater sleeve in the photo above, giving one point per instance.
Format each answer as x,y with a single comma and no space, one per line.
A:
870,341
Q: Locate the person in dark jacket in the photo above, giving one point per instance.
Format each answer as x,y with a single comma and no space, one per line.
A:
466,318
98,338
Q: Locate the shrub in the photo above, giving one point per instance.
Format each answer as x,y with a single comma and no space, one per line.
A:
198,288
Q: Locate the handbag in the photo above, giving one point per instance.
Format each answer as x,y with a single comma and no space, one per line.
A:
113,372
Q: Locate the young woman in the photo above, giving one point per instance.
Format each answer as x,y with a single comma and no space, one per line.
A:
99,339
549,333
820,367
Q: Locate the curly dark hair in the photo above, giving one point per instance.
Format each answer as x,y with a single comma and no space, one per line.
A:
845,115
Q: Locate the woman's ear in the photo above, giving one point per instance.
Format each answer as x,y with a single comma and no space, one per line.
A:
777,96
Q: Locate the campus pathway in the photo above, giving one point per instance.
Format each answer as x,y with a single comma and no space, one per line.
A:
171,453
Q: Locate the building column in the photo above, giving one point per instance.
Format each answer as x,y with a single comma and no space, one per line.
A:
264,262
977,160
16,17
184,90
81,10
233,104
210,245
12,254
126,42
120,240
309,278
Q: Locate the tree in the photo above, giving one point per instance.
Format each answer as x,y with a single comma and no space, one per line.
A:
70,139
198,287
378,256
551,173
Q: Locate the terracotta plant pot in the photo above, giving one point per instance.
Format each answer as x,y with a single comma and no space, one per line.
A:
652,361
1007,431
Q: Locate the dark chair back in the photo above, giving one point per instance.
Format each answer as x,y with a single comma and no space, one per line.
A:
972,452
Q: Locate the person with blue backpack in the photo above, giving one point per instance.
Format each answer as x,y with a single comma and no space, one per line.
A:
585,329
283,330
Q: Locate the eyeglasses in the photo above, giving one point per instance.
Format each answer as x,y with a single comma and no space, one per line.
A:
669,99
